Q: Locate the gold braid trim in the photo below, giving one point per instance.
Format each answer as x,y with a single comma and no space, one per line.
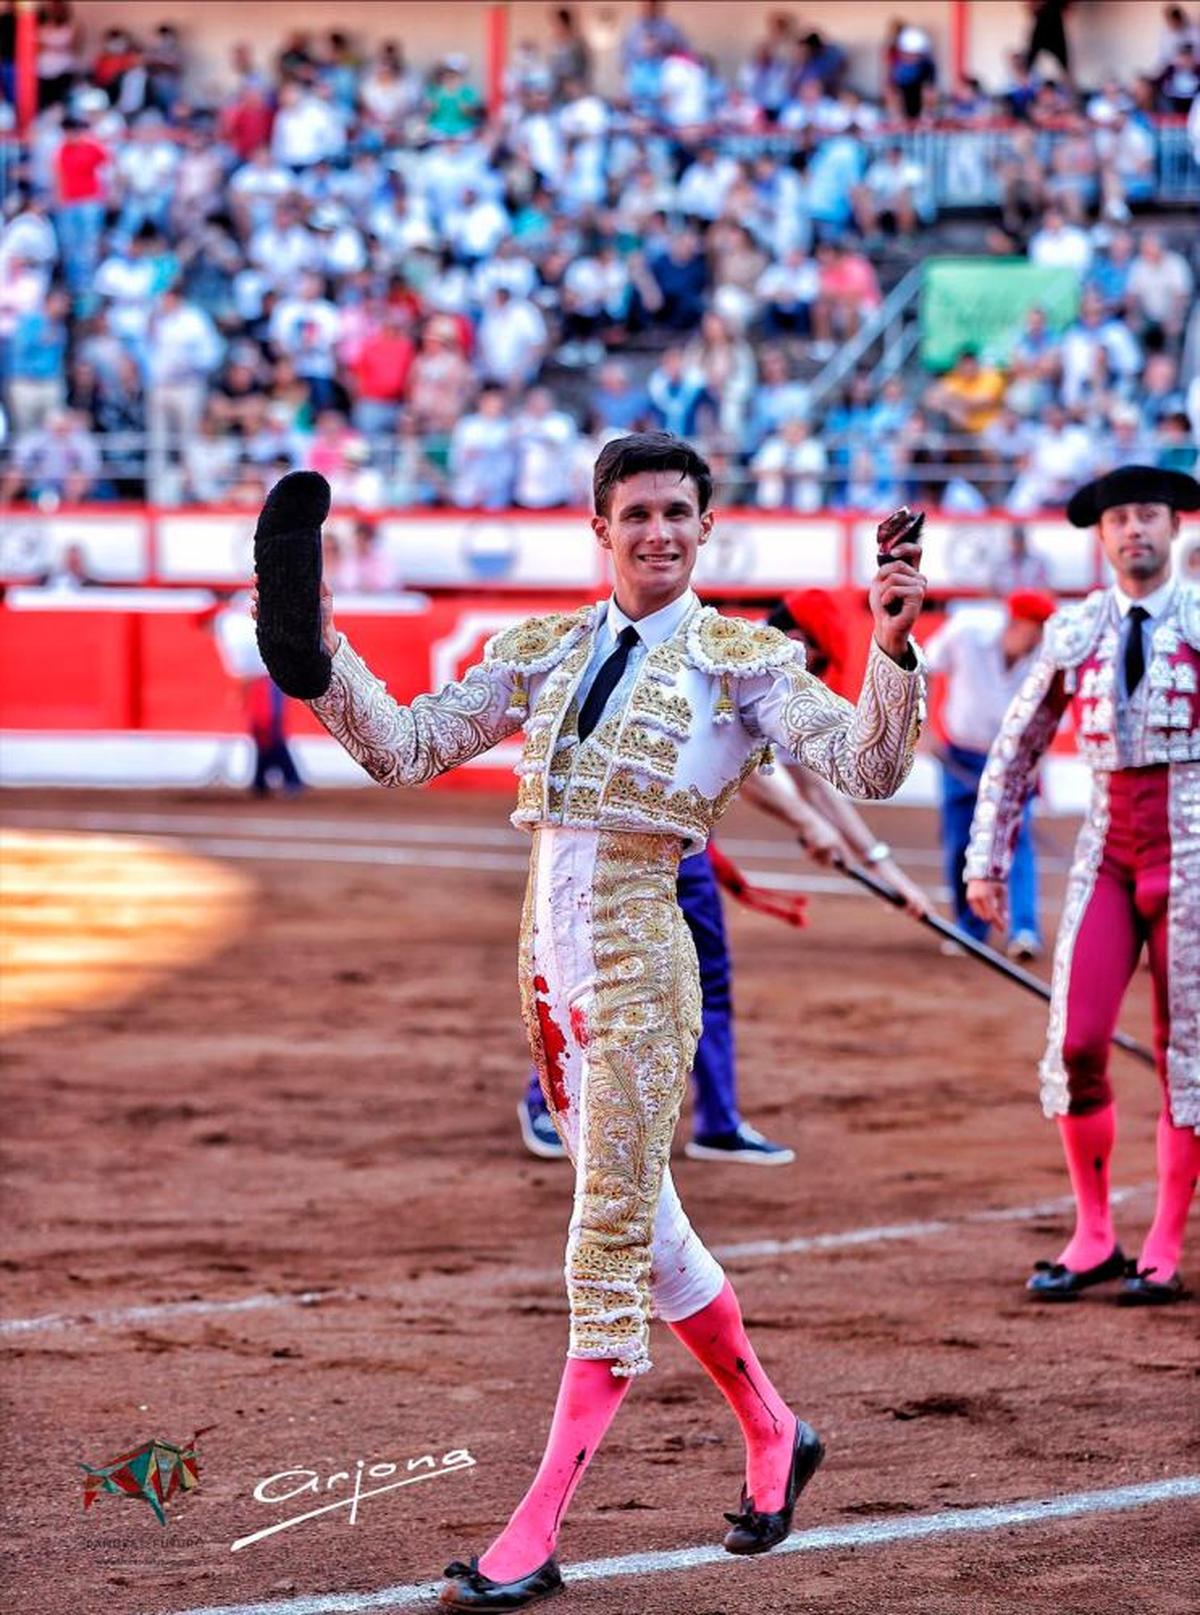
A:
644,1024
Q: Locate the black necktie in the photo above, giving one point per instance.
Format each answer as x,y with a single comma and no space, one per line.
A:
606,681
1135,655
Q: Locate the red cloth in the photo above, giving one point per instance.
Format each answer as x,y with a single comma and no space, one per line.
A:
78,167
786,906
381,369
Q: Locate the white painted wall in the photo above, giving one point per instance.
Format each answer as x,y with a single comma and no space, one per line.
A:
1117,35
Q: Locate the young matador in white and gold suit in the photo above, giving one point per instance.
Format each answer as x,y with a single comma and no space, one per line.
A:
642,715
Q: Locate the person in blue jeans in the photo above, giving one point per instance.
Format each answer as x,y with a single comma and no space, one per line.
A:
984,661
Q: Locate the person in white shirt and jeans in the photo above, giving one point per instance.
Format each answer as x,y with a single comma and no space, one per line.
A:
984,664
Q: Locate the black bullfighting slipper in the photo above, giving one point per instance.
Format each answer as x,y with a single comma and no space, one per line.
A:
287,559
1052,1281
1140,1290
469,1588
755,1532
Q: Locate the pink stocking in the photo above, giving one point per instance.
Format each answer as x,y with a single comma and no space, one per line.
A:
1088,1142
716,1338
588,1398
1178,1168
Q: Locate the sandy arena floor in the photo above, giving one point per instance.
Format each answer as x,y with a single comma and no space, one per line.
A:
266,1177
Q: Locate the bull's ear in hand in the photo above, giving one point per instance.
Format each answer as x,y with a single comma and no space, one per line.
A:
287,561
903,526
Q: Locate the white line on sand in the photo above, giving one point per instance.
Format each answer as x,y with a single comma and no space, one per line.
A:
866,1534
116,1317
279,826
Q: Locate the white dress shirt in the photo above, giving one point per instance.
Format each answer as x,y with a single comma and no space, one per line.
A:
651,631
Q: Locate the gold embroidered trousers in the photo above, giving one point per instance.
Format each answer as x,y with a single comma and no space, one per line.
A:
610,991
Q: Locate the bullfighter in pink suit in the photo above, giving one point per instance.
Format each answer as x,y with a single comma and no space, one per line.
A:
1127,660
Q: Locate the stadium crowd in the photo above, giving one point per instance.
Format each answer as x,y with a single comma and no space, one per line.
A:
345,264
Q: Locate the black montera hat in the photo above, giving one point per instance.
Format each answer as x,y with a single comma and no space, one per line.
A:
1131,484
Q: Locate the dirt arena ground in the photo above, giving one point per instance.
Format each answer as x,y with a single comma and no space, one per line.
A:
272,1183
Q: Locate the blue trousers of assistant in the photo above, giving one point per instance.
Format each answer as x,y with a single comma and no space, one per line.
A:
962,771
714,1074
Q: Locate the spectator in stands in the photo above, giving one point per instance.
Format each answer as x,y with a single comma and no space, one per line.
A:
789,469
912,77
1062,455
705,183
681,276
545,440
1176,445
849,292
483,456
970,395
1180,84
892,195
59,52
568,58
307,129
1160,287
210,461
380,372
1098,351
834,169
1160,394
616,404
512,339
1111,267
36,369
1059,245
721,359
80,193
146,166
58,460
678,397
442,382
1071,185
389,94
28,234
283,248
786,292
1125,150
597,295
453,107
183,351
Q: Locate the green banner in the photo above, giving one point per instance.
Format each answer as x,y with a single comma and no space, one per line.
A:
981,303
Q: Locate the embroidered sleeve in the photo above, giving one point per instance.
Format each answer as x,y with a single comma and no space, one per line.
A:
1027,730
409,745
864,750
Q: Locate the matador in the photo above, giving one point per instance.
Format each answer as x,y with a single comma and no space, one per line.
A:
1127,661
642,714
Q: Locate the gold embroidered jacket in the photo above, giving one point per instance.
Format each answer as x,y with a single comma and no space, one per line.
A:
706,706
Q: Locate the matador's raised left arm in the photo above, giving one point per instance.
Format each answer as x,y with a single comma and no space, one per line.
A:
864,750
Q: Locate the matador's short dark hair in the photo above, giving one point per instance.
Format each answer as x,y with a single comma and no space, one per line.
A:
625,457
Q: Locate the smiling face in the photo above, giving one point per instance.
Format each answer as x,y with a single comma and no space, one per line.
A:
653,530
1137,542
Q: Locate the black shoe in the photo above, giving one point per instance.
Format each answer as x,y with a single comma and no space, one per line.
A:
744,1144
1051,1281
1140,1290
469,1588
287,562
754,1532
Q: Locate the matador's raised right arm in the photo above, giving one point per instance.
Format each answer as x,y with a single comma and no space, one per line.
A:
410,745
1033,716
